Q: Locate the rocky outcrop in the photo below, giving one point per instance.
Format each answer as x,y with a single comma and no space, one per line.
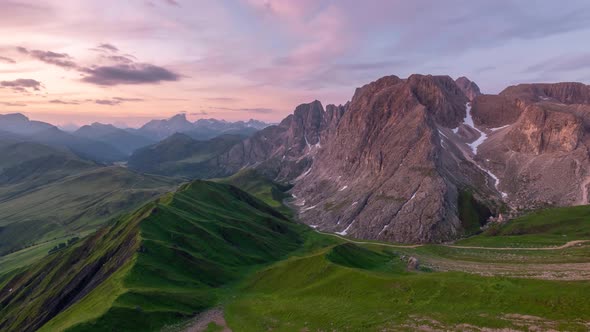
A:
387,171
541,159
469,88
409,160
566,92
542,130
495,111
286,150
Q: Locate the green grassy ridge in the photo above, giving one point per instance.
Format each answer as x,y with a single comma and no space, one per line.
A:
193,245
548,227
37,294
314,293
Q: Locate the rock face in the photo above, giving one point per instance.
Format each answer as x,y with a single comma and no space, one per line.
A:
286,150
543,130
410,160
566,93
469,88
388,171
495,111
541,156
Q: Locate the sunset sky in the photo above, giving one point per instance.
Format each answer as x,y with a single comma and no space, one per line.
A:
125,62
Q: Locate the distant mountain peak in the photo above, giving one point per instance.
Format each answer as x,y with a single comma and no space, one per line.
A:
469,88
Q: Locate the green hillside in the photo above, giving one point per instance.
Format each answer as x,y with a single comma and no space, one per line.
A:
181,156
548,227
252,182
210,247
166,262
48,196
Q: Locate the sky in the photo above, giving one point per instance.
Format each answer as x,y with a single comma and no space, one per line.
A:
126,62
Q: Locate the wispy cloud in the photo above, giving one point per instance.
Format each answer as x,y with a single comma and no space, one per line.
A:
115,101
6,60
64,102
53,58
9,104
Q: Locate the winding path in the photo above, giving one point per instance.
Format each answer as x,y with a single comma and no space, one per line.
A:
412,246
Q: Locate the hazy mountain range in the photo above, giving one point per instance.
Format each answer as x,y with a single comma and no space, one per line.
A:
107,143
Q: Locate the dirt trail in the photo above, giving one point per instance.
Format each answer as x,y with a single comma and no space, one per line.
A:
412,246
565,246
210,316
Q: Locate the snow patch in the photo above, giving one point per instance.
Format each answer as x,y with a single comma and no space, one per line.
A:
314,226
344,232
306,141
318,145
309,208
383,230
475,145
343,188
496,179
354,203
499,128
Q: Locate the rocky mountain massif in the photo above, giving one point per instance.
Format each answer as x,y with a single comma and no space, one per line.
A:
427,158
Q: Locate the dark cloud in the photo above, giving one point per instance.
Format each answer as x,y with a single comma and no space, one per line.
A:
133,73
63,102
22,85
108,102
12,104
6,60
53,58
199,113
125,71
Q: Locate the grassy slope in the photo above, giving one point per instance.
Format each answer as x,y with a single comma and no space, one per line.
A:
60,203
192,246
548,227
257,185
182,156
210,244
315,293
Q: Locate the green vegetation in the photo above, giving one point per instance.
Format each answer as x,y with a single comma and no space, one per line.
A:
164,263
472,213
212,245
47,194
312,293
255,184
549,227
181,156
